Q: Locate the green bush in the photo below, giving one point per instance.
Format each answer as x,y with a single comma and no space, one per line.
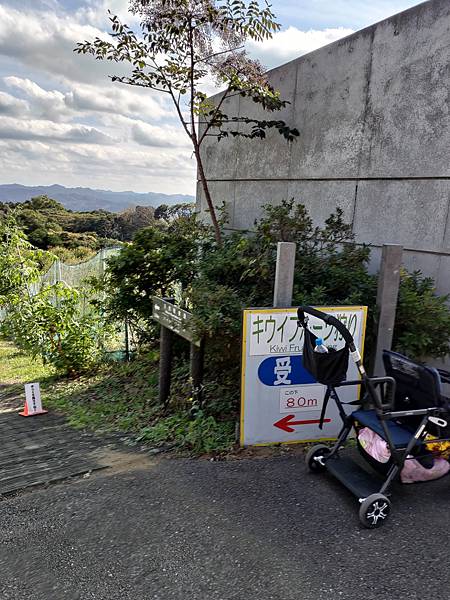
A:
422,326
53,325
216,282
57,323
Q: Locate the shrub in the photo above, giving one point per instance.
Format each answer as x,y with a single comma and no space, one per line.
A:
215,282
58,323
422,325
53,325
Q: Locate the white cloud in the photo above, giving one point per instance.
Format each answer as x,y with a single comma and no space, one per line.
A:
87,99
116,100
96,12
19,129
45,104
12,106
45,41
162,137
117,167
292,42
63,121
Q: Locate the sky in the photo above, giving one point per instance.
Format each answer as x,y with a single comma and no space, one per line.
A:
63,121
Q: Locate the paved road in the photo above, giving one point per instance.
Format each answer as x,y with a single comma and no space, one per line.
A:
244,530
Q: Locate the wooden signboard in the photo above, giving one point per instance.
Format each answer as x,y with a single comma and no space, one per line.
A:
174,318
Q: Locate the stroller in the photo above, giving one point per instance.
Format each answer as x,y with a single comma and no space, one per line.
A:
402,408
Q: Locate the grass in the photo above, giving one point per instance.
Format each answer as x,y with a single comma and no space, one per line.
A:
123,397
19,368
117,397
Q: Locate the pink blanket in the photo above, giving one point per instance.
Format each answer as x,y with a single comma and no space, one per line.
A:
412,471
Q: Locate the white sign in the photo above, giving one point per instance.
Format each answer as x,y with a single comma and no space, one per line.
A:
308,398
33,403
280,401
279,333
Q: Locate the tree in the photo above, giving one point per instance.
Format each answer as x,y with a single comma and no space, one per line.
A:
182,43
176,211
132,219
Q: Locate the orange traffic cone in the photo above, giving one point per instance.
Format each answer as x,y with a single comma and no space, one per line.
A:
33,404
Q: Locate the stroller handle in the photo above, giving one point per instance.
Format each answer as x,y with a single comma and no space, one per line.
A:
329,319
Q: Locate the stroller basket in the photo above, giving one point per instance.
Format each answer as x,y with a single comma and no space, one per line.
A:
327,369
330,368
396,415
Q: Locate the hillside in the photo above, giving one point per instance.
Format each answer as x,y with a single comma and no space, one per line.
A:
74,235
87,199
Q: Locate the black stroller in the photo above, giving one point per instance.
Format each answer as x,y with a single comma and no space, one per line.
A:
402,408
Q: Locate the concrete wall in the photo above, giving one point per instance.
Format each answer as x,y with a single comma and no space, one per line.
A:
373,115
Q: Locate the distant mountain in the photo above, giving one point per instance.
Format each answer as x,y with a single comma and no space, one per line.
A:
86,199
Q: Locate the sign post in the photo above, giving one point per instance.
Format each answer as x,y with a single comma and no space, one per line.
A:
281,401
176,320
165,360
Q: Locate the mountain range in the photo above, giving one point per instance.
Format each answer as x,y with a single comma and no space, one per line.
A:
87,199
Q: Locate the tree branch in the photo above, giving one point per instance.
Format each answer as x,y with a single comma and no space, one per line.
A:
210,56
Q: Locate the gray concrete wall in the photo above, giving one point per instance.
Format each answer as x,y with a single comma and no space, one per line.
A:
373,115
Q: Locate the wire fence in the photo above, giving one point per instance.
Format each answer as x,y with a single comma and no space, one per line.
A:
77,276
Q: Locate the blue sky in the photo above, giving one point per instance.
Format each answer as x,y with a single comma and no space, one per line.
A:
62,121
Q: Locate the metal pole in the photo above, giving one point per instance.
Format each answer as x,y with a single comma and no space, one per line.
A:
284,275
197,356
387,296
165,361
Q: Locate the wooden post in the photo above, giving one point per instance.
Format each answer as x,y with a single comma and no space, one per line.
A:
387,296
197,361
127,341
165,361
284,275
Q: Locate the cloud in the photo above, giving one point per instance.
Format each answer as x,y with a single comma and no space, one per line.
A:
63,121
45,40
83,98
45,104
159,137
292,43
12,106
117,167
18,129
116,100
95,12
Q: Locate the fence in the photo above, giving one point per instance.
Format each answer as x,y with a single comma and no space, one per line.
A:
77,276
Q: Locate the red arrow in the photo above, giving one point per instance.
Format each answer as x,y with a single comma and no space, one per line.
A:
286,423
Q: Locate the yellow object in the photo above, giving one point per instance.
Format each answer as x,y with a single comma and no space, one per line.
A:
443,448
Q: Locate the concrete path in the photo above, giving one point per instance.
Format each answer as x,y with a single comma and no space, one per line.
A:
196,530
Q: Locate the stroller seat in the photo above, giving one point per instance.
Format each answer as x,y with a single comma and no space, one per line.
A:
400,434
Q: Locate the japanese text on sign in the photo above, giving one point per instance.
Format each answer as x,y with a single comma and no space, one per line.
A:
280,333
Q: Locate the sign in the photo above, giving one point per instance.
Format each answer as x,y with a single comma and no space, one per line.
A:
33,404
281,401
174,318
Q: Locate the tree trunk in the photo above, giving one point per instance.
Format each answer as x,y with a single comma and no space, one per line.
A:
209,201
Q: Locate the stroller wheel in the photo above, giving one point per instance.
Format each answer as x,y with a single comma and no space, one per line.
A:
374,511
313,455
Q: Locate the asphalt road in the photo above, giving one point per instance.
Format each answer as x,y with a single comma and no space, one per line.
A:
196,530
